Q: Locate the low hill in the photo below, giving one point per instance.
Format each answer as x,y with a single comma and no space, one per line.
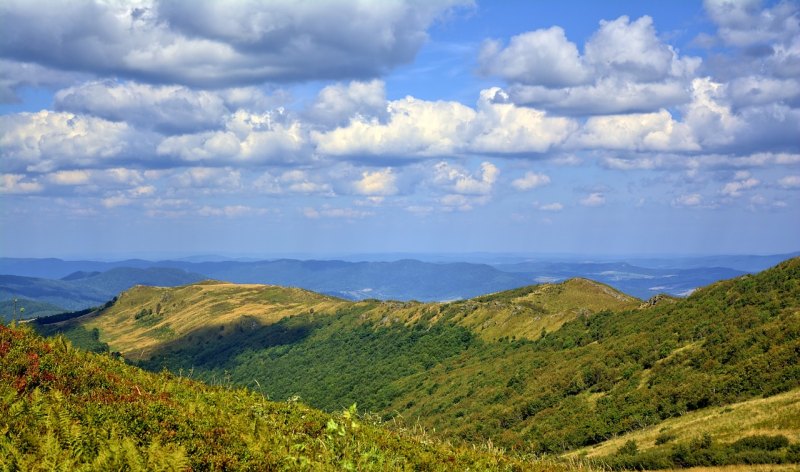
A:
70,410
82,290
643,282
547,368
62,293
32,309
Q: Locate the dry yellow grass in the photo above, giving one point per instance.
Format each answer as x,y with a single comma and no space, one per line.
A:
743,468
779,414
181,310
546,306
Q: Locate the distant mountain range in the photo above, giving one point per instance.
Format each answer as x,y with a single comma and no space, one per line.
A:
78,290
73,285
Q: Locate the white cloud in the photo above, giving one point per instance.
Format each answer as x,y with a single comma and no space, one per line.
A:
379,182
742,182
690,200
635,132
414,128
457,180
15,184
115,201
420,128
625,68
594,199
530,180
759,90
247,139
790,181
632,49
744,22
337,104
219,179
232,211
503,128
208,44
70,177
169,108
461,202
542,57
329,212
46,141
605,95
555,206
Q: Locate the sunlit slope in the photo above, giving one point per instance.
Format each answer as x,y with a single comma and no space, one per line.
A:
491,368
144,317
63,409
613,372
770,416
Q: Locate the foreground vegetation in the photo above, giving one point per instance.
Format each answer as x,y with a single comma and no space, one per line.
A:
65,409
544,369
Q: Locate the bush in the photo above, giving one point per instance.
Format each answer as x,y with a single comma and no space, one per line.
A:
761,442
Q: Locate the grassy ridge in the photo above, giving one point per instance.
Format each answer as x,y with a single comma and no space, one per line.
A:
65,409
532,369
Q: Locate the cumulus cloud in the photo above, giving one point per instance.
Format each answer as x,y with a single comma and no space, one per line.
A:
379,182
168,108
555,206
594,199
420,128
542,57
745,22
248,138
17,184
46,141
17,74
457,180
625,68
636,132
689,200
790,181
210,44
530,180
337,104
209,178
415,127
742,181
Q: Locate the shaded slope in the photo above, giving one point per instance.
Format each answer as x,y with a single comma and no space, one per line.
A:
66,409
600,374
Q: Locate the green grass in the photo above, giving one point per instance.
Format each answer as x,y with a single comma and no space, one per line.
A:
484,370
66,409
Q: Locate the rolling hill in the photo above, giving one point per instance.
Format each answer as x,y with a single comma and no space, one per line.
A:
63,409
548,368
81,290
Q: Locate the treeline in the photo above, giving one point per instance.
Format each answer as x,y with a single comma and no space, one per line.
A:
704,451
70,315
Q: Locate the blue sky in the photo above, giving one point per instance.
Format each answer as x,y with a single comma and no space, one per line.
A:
334,127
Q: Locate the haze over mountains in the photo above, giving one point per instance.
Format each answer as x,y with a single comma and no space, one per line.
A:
73,285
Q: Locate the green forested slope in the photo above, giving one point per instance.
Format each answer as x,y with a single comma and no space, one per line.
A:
453,367
65,409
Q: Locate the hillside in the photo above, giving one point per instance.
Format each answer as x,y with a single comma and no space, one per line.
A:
81,290
547,368
70,410
32,308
